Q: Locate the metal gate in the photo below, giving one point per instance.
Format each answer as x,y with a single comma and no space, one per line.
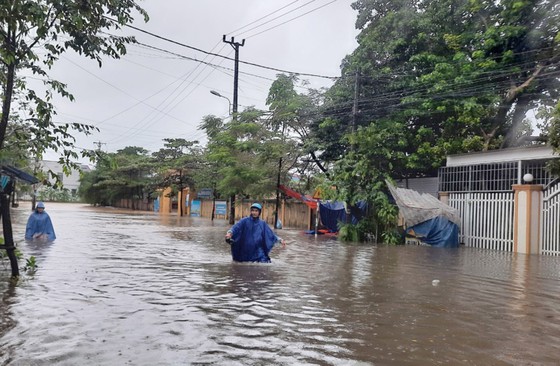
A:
486,219
550,223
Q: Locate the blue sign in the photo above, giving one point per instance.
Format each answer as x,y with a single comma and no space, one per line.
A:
205,193
195,208
156,204
221,207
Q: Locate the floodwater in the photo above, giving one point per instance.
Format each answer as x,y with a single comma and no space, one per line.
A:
128,288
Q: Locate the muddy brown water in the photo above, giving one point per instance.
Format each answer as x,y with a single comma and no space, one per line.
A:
128,288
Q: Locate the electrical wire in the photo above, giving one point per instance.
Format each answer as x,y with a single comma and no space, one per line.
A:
228,58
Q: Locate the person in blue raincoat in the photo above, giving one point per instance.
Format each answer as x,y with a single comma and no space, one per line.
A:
39,225
251,238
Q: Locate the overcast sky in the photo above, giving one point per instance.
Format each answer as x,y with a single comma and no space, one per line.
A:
150,94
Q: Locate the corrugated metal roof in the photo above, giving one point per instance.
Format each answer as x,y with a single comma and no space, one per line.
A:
420,207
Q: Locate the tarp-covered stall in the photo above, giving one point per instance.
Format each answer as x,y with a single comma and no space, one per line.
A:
427,218
332,213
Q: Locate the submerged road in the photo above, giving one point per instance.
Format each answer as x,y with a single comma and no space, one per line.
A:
135,288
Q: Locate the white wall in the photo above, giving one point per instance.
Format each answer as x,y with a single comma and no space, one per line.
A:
71,182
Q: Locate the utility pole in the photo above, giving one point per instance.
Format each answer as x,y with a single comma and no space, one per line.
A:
235,46
352,131
36,167
99,143
276,223
356,95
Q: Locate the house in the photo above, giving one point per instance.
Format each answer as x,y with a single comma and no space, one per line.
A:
70,182
495,170
507,199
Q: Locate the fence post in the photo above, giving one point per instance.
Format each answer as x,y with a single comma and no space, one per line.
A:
444,197
527,216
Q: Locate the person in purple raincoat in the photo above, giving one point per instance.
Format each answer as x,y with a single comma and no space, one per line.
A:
251,238
39,225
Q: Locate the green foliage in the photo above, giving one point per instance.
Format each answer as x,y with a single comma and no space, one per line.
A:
31,265
34,34
56,195
348,233
554,140
467,71
434,78
245,154
31,262
176,163
128,173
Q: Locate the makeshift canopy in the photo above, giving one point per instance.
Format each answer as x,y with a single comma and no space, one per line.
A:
427,218
334,212
308,200
331,212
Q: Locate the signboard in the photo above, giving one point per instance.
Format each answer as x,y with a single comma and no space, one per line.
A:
204,193
221,208
156,205
195,208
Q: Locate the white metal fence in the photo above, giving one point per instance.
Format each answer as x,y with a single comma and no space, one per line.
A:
486,219
550,227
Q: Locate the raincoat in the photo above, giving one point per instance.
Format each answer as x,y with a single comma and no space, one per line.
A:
39,224
251,241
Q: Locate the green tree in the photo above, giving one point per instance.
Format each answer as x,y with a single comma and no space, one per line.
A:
294,116
33,34
176,163
126,174
461,75
290,118
554,138
244,153
435,78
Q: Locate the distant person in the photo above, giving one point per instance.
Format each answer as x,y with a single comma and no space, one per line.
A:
251,238
39,225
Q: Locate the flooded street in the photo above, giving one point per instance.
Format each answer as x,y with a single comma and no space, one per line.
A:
136,288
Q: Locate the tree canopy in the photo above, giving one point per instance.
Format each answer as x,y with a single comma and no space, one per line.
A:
34,34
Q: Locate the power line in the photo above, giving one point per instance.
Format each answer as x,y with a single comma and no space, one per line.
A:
280,16
229,58
289,20
261,18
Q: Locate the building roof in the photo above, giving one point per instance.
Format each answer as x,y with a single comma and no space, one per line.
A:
502,155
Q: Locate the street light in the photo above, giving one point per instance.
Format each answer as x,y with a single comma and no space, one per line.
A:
221,96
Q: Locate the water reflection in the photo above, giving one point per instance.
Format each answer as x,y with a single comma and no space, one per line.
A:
118,287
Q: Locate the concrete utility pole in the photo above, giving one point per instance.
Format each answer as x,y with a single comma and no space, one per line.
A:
356,95
276,223
99,143
355,107
235,46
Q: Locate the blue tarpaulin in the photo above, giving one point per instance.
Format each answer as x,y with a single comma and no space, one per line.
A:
437,232
427,218
333,213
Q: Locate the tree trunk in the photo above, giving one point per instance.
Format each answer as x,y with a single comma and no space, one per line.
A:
232,209
7,227
521,107
7,102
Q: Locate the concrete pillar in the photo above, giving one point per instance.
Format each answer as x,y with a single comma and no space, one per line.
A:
444,197
165,201
527,217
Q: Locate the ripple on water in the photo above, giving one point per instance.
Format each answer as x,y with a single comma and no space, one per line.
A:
141,289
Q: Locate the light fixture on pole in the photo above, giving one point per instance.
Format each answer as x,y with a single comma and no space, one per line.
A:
528,178
213,92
